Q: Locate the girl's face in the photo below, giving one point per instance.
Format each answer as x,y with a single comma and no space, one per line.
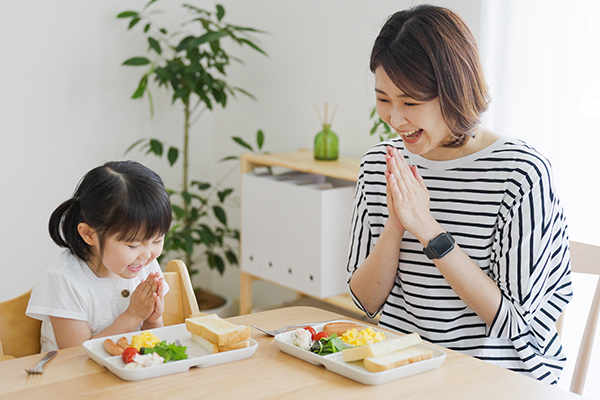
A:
127,259
121,259
420,124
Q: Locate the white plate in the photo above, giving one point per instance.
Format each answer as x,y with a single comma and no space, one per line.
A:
355,370
198,357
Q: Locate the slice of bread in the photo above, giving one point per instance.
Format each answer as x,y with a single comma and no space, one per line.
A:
380,348
213,348
396,359
217,330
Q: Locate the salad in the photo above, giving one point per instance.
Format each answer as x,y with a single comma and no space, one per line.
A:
317,342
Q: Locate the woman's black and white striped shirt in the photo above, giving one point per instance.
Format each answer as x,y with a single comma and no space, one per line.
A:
501,207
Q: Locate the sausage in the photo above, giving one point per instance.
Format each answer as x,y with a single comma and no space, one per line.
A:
123,343
339,328
112,348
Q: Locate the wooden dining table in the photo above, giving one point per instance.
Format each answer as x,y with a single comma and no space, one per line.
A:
268,374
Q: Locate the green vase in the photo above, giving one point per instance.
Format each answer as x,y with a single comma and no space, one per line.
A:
326,145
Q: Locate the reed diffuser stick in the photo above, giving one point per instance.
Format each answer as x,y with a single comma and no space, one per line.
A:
319,115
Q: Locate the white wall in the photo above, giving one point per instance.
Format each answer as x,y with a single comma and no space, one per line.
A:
65,104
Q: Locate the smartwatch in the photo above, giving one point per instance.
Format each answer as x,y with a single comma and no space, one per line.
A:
439,246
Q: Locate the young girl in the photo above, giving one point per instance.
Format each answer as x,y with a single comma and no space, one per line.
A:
108,280
457,233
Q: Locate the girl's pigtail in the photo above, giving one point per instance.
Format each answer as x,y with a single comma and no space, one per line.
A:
63,227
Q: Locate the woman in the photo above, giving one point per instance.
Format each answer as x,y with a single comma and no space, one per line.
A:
457,233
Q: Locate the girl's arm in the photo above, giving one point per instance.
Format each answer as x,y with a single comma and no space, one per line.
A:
411,204
142,305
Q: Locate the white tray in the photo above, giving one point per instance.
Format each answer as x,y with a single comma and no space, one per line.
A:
355,370
198,357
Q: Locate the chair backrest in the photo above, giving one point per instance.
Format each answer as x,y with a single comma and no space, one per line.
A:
19,334
180,300
585,259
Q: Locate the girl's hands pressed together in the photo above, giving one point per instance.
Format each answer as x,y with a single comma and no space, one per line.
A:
144,298
159,304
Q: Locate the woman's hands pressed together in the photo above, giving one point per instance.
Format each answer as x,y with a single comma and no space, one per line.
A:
408,198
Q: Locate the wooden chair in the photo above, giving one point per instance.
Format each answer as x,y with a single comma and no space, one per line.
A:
585,259
19,334
180,300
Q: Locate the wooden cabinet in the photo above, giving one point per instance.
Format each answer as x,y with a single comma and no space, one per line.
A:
295,225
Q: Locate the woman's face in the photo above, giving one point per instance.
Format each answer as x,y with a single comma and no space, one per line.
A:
420,124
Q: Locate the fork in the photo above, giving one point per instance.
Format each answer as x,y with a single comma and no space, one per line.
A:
39,368
278,331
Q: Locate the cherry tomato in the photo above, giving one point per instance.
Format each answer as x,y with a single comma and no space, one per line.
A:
319,336
311,330
128,354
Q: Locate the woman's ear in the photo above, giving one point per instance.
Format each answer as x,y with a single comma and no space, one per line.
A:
87,233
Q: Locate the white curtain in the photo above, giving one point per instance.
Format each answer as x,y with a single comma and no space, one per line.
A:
542,64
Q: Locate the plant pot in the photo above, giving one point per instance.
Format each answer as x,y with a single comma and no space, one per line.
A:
212,303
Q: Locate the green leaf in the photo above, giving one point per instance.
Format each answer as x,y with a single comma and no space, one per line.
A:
229,158
127,14
146,28
186,197
220,12
154,44
215,261
184,43
134,145
139,92
156,147
134,22
220,214
149,3
260,139
237,89
242,143
253,45
208,37
178,211
231,257
201,185
224,193
172,155
136,61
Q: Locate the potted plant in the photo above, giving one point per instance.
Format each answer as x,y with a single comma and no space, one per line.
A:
192,65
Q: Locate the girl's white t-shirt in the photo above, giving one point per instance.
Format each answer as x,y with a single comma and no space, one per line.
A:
69,289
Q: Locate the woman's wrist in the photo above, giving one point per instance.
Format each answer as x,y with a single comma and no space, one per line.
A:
429,231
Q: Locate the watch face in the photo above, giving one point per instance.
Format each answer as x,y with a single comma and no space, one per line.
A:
439,246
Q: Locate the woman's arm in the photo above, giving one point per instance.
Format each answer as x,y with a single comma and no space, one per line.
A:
372,282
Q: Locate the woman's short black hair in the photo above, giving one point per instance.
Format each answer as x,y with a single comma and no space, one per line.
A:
428,52
122,198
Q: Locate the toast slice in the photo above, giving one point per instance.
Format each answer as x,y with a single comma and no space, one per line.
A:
213,348
396,359
217,330
378,349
